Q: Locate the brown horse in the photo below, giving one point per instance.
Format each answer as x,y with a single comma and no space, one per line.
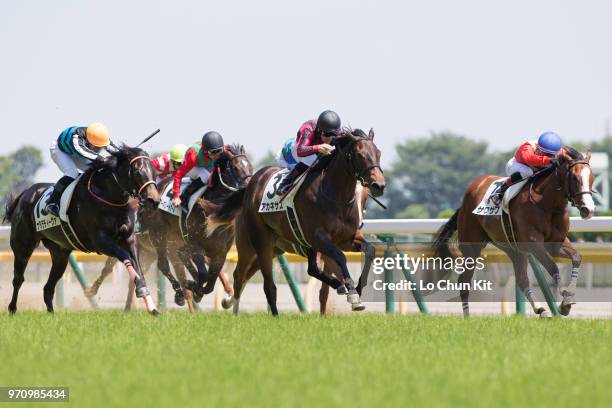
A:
327,209
232,171
540,221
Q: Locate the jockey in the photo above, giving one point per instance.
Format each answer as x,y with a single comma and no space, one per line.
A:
313,138
529,156
73,152
170,162
198,164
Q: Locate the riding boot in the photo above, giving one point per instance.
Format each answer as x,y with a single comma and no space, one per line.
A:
499,194
189,190
53,203
293,175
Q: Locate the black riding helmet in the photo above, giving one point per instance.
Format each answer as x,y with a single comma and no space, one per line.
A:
329,123
212,141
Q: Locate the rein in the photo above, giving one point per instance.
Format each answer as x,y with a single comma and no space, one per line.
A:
110,203
567,188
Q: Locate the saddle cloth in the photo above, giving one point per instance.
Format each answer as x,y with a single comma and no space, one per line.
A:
165,203
488,207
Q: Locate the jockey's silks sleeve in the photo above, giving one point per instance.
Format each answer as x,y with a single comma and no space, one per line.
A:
527,155
307,139
191,160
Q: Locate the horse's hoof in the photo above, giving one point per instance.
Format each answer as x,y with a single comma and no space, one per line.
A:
227,302
539,310
357,307
342,290
545,315
564,310
90,291
179,298
154,312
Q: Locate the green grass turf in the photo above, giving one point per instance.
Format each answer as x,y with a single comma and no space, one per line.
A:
119,359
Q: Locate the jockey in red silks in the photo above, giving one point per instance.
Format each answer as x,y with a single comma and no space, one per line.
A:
313,138
169,163
529,156
198,164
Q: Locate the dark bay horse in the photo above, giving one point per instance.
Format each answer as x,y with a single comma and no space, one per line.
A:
232,171
100,215
540,220
327,209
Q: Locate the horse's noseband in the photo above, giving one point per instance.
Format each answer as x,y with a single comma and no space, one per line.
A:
359,175
572,197
146,184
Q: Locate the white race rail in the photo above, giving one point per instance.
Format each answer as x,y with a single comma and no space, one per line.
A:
431,225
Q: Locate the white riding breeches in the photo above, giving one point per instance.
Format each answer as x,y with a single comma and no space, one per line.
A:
70,166
514,166
199,172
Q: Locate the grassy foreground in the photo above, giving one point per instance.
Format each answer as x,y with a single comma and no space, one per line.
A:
118,359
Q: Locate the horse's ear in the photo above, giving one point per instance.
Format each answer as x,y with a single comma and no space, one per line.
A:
371,134
587,156
242,149
565,156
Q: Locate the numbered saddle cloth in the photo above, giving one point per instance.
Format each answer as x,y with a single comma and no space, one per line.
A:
487,207
43,222
165,202
273,201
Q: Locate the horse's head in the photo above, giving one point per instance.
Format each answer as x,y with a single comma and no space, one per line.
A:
363,158
135,174
235,167
578,180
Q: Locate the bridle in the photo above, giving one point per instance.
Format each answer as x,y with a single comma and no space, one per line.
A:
131,192
233,179
352,169
572,197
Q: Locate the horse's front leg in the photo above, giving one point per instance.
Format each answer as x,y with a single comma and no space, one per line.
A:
128,254
360,244
109,265
327,247
569,293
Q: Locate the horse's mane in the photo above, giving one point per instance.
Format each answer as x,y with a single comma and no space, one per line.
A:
347,135
573,153
123,153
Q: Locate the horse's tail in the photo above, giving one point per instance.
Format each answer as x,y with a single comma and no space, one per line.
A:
11,206
441,239
225,215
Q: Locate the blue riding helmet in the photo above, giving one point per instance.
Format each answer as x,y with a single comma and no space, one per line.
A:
549,143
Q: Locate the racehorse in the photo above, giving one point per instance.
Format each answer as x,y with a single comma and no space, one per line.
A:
232,171
327,207
540,221
100,215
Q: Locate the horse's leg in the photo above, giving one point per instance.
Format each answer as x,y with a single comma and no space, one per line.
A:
520,262
469,250
360,244
214,269
315,272
327,247
22,251
149,258
323,296
179,270
164,267
110,248
59,261
129,300
265,256
540,251
568,251
92,290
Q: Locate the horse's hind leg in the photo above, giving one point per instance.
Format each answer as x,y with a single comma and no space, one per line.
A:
22,251
59,259
469,250
92,290
519,262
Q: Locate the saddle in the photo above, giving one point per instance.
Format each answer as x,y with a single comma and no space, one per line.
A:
44,222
